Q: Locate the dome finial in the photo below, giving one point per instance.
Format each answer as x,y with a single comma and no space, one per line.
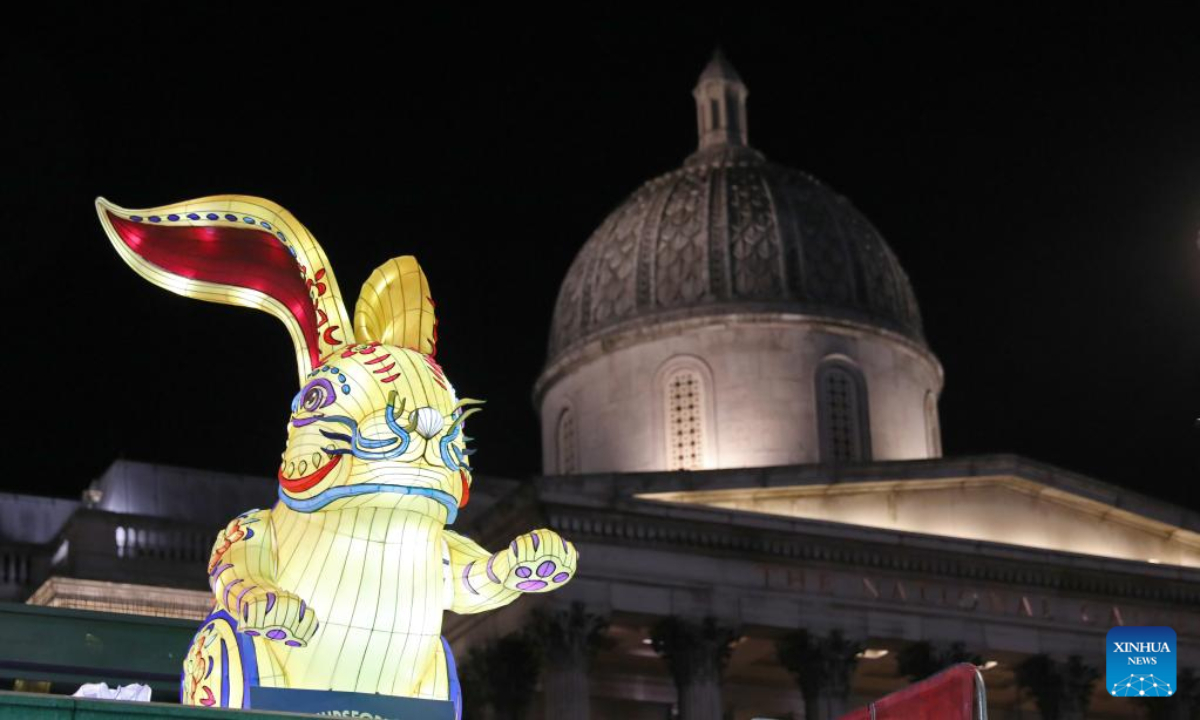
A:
720,104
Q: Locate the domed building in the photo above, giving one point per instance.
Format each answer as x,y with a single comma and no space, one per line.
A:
735,313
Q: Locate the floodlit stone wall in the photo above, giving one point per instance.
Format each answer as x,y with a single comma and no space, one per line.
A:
758,406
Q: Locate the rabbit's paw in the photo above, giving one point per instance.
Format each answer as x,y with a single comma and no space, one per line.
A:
540,561
277,615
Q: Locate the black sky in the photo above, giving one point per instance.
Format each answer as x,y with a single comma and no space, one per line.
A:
1036,171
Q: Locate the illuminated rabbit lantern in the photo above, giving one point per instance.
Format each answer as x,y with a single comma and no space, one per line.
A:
342,584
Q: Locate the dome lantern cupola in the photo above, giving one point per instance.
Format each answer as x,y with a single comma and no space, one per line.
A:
720,104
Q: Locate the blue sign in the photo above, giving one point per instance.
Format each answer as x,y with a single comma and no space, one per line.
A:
1140,662
332,703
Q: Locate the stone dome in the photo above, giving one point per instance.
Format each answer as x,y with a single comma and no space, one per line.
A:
735,313
731,232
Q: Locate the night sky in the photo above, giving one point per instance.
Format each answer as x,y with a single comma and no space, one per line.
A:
1037,174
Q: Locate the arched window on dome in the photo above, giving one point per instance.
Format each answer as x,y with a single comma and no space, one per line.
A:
933,429
567,447
683,411
685,420
843,424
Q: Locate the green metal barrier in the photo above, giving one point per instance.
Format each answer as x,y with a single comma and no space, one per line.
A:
68,648
72,647
26,706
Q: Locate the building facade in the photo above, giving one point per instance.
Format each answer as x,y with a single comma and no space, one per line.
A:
740,432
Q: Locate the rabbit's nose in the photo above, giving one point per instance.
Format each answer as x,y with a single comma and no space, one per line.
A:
429,422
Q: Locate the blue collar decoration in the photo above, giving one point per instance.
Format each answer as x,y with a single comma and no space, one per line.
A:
322,499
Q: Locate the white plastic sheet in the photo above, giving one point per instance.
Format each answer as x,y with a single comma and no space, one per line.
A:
131,693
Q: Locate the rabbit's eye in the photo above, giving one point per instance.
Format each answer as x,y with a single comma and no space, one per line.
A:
316,395
314,398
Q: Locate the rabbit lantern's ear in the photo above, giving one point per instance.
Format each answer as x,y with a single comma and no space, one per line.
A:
395,307
238,250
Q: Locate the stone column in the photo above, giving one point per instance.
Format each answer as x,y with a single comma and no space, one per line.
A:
834,699
923,659
570,637
823,668
696,653
1182,705
1060,689
565,682
1077,680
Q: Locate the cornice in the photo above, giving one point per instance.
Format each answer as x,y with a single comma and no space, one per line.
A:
850,548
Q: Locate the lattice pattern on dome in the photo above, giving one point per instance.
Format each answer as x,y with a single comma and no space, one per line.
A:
680,257
569,308
841,422
613,292
568,462
753,245
685,420
726,231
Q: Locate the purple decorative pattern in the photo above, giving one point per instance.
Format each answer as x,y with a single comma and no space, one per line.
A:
492,573
536,540
242,594
561,577
219,569
466,578
545,568
229,587
276,634
270,602
530,585
524,572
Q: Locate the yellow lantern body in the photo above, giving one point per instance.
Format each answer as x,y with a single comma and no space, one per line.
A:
342,584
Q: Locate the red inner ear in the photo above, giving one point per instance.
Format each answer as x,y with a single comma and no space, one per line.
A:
234,256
